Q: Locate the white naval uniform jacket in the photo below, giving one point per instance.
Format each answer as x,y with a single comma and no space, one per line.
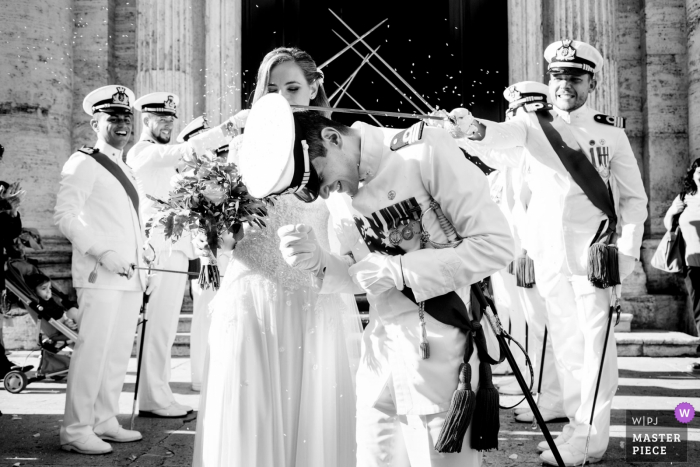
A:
567,221
94,212
395,182
154,164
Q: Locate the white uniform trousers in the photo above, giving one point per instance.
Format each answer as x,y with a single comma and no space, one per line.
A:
578,315
385,439
201,322
107,321
510,311
535,310
163,315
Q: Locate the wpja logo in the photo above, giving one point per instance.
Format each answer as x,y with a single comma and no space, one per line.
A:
658,436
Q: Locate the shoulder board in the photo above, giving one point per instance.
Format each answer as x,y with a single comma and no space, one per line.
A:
408,136
535,106
618,122
88,150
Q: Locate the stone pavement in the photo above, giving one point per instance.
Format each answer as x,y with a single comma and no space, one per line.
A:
29,426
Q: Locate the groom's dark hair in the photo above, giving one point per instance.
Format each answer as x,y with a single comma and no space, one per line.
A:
309,126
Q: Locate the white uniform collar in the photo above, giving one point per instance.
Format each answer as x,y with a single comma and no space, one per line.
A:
371,150
111,152
569,117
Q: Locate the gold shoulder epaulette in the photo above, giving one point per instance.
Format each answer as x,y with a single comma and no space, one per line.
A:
408,136
611,120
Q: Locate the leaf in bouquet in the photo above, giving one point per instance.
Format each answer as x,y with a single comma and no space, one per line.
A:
237,231
179,225
168,223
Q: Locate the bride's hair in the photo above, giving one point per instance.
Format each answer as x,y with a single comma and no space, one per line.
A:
303,60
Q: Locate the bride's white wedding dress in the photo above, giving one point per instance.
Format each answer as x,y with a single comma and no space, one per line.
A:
278,386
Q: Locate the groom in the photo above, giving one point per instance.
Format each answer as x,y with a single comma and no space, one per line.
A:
402,398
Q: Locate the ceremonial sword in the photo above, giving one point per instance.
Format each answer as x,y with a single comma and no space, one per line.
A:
347,82
133,266
370,112
349,46
384,62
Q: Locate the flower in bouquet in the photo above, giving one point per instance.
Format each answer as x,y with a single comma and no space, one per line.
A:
209,199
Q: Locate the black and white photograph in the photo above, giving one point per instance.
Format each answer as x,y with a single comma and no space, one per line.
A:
349,233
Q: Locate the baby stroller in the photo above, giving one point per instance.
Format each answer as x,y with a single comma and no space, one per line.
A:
53,363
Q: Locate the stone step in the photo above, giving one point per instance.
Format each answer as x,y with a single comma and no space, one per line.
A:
657,312
181,346
185,323
629,344
651,343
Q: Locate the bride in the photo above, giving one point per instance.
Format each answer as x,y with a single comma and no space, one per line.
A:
278,387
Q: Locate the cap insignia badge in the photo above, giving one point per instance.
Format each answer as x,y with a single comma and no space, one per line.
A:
566,52
513,94
170,103
392,194
120,96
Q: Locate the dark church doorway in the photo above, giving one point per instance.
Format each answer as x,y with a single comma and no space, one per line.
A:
453,52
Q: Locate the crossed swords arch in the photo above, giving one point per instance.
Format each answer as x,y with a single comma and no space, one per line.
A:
492,318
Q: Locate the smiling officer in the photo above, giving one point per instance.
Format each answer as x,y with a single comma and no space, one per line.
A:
97,209
588,192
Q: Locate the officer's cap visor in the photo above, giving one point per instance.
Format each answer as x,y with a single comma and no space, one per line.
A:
115,111
160,113
568,71
309,192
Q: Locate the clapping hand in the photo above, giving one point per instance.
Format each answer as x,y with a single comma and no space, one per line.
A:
12,195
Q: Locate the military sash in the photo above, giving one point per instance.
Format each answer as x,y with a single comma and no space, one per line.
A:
602,258
113,168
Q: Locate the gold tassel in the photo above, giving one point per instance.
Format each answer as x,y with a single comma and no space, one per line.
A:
459,414
603,268
485,438
424,345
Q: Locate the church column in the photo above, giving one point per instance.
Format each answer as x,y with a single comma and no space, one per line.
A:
223,59
36,64
525,41
93,60
692,8
170,48
665,97
593,21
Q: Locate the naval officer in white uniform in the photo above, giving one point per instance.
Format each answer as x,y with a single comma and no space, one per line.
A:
402,397
154,161
568,224
523,97
97,209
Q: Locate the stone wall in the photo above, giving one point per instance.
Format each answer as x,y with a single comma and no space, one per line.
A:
36,101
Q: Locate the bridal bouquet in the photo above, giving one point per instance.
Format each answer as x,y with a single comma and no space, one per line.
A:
209,199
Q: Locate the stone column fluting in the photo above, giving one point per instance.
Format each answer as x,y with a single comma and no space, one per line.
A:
170,48
525,41
223,59
692,8
594,22
36,101
93,59
665,106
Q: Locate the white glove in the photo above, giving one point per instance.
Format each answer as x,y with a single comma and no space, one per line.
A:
239,119
378,273
348,235
152,283
463,117
625,265
200,245
300,248
113,262
438,122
